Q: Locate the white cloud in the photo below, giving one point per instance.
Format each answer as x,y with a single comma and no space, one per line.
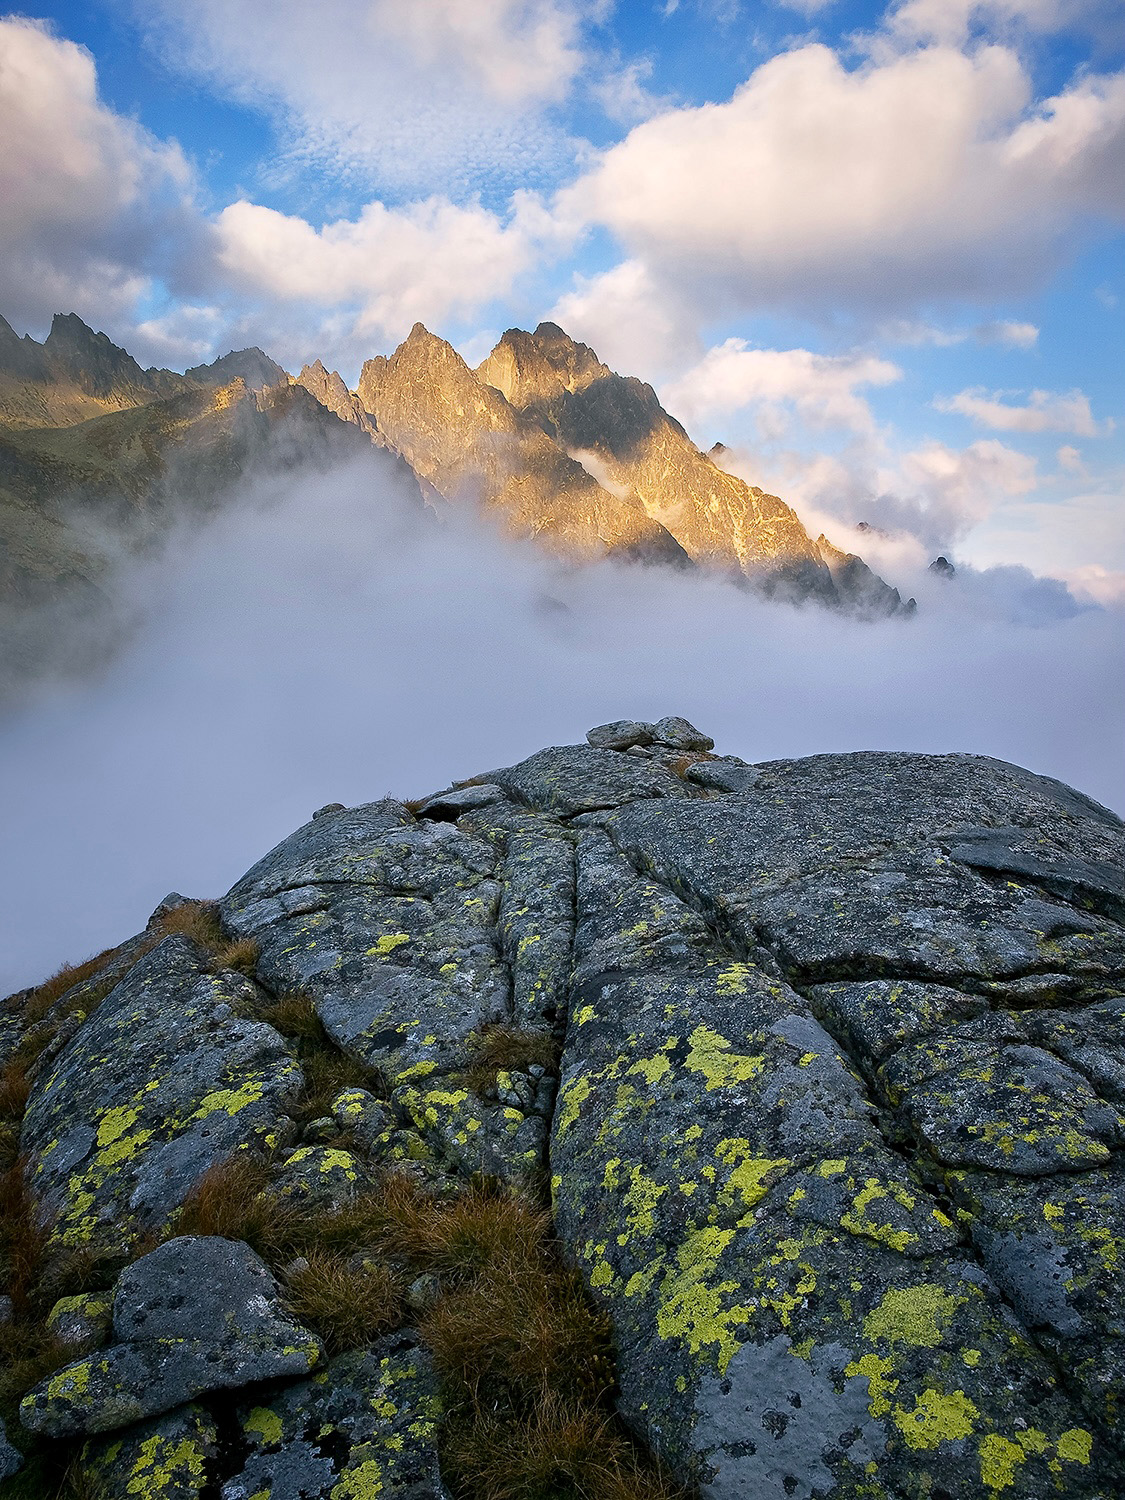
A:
953,21
1070,460
634,326
914,332
1014,335
821,388
383,270
925,174
425,96
1044,412
85,193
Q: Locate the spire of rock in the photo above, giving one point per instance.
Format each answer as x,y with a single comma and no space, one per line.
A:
462,434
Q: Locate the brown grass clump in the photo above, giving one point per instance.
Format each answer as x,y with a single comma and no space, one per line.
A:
227,1201
328,1070
22,1239
561,1450
15,1087
200,921
349,1300
496,1048
44,995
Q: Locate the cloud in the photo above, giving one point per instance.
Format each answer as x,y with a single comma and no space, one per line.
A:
821,388
383,270
1070,460
87,194
954,21
1044,412
917,333
332,647
631,322
923,175
430,96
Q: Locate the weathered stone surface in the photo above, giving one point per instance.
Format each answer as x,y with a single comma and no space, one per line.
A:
364,1426
460,799
168,1458
569,779
194,1315
797,1310
838,1144
162,1081
82,1321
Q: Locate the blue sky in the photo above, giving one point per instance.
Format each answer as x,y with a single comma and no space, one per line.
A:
875,250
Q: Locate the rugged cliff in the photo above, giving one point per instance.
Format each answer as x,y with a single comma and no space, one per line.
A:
819,1066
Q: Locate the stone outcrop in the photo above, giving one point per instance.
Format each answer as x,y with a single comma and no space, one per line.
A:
834,1141
329,389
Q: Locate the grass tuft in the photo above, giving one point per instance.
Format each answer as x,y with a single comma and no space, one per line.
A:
496,1048
349,1301
44,995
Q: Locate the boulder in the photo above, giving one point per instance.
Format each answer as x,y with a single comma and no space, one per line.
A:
195,1315
622,734
680,734
164,1080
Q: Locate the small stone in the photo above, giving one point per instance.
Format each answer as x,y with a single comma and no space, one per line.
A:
422,1293
536,1071
324,1177
329,807
5,1310
365,1118
640,751
319,1132
620,735
726,773
680,734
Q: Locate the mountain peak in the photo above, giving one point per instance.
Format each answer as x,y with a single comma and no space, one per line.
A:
251,365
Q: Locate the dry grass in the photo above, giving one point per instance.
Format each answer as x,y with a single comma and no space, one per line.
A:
15,1088
44,995
22,1240
327,1069
294,1015
560,1450
227,1201
200,921
496,1049
348,1300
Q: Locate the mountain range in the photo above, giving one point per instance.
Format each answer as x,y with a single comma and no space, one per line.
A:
99,458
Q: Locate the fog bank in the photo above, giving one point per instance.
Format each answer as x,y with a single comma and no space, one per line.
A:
324,642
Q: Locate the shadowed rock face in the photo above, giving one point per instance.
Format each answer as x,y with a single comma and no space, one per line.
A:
720,521
835,1140
462,435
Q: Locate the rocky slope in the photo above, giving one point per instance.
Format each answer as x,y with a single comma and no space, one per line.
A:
637,448
821,1063
468,441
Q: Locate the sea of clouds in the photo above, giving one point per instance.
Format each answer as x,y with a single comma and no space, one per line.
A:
327,639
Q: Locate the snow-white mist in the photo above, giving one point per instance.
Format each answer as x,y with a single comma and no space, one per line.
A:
326,640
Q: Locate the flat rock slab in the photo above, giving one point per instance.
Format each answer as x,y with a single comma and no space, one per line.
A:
364,1426
195,1315
163,1081
570,779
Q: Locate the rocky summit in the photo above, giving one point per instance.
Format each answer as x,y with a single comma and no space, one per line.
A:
631,1121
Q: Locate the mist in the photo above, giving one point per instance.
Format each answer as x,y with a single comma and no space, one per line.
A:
325,640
